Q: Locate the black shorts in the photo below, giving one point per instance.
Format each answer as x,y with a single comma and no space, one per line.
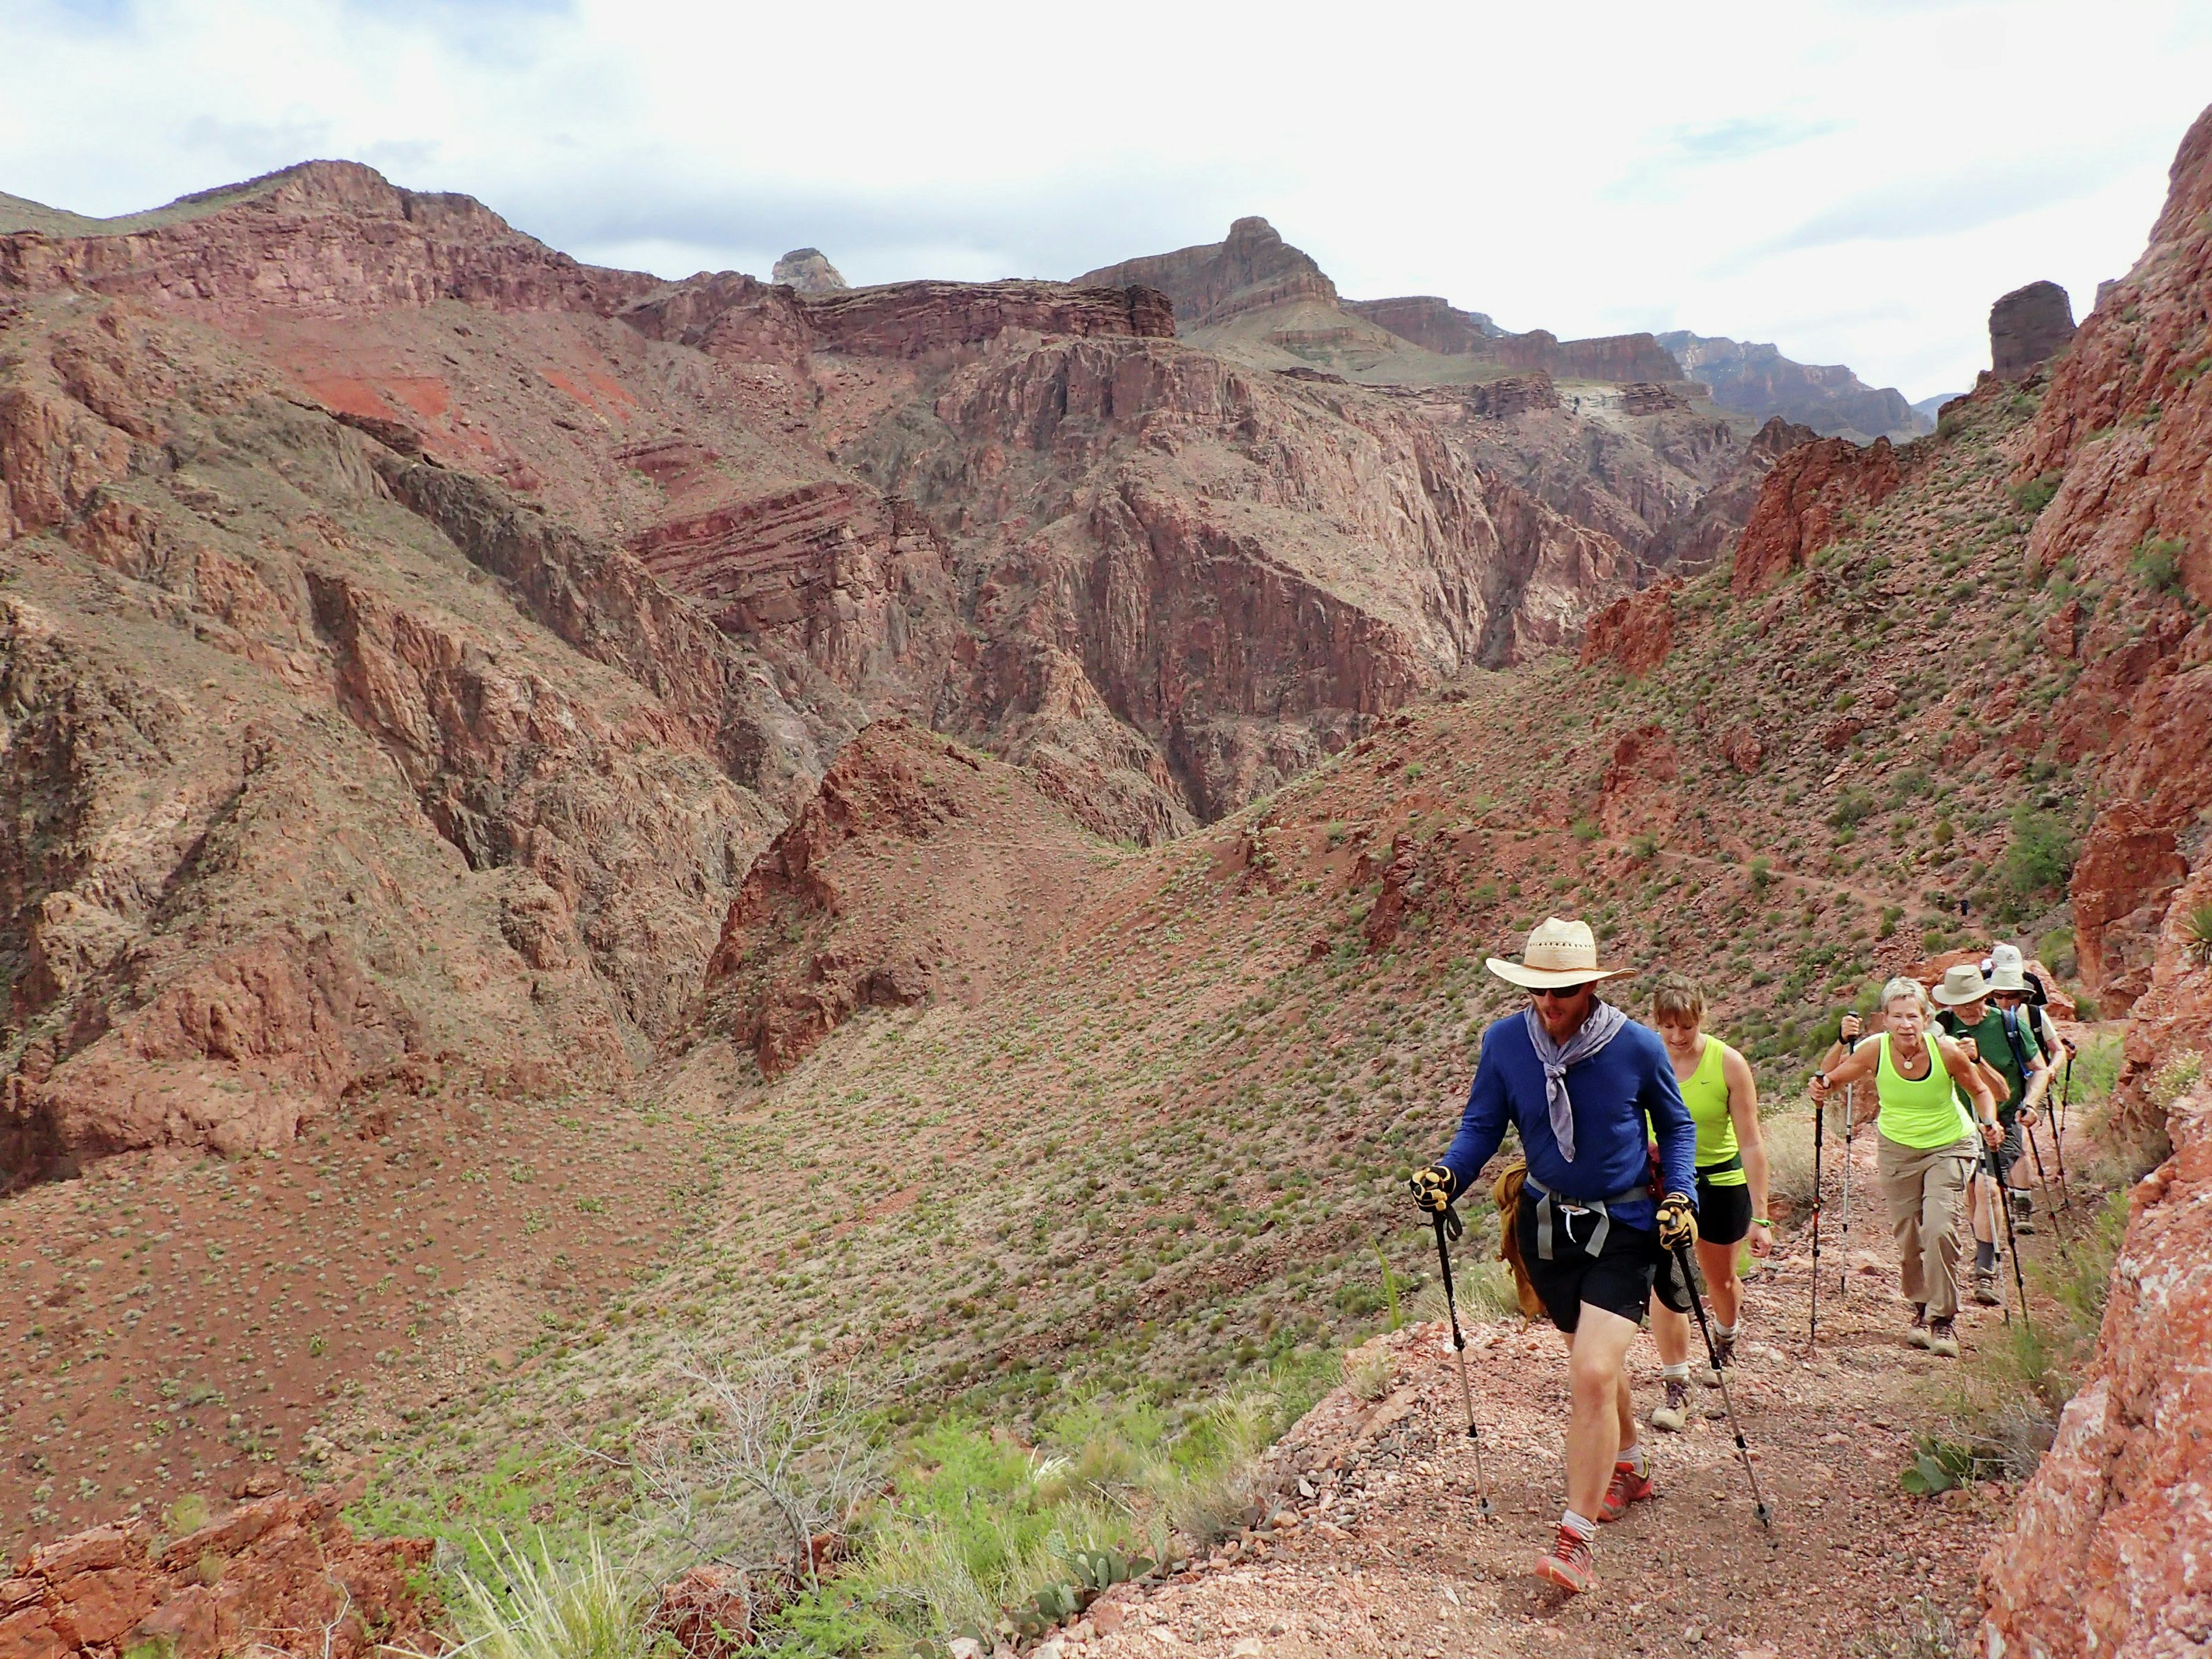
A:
1723,1218
1723,1212
1619,1280
2012,1148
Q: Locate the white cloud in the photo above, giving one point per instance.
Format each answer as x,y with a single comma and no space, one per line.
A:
1854,182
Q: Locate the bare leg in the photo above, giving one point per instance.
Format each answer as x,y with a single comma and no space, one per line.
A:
1670,1334
1723,1288
1604,1416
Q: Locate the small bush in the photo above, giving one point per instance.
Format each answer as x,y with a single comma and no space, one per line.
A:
2032,496
1368,1372
2157,563
2175,1077
535,1607
2196,935
1852,808
1586,830
2037,860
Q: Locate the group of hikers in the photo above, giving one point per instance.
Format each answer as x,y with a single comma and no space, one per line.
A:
1642,1152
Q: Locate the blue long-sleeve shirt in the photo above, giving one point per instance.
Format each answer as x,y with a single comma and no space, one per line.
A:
1611,1092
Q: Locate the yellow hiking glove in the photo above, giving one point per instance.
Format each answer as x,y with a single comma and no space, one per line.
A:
1432,1189
1678,1222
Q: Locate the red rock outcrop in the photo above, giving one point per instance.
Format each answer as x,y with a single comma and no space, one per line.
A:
330,238
1692,542
2104,1555
1253,270
280,1575
1801,497
2027,328
708,1612
1634,797
1431,323
2129,868
1605,357
908,320
911,874
1635,632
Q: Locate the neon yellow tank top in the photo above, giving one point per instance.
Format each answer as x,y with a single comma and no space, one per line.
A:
1704,1091
1922,1114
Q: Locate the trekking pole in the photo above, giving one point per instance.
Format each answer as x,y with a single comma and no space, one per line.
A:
2056,1226
1712,1357
1459,1352
2012,1240
1851,1127
2058,1129
1820,1122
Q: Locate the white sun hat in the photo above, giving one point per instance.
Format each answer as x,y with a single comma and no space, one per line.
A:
1559,954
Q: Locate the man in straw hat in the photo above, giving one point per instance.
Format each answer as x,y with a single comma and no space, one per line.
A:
1579,1080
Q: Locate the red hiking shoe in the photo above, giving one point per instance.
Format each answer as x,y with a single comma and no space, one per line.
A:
1568,1563
1627,1487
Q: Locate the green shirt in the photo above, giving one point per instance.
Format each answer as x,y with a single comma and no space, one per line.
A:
1990,1038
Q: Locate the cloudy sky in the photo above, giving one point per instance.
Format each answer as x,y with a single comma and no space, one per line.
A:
1855,181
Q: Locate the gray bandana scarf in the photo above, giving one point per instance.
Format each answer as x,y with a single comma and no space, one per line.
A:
1603,1024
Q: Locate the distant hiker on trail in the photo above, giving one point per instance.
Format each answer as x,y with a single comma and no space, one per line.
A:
1723,1099
1926,1149
2013,1067
1579,1080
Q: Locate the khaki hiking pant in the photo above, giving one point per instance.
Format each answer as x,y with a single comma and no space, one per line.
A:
1924,1191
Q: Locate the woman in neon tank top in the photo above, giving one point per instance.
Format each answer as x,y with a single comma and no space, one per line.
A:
1723,1101
1926,1149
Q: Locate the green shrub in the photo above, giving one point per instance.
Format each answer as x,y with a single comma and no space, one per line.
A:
2037,860
534,1606
1586,830
2157,563
1852,808
2196,935
2032,496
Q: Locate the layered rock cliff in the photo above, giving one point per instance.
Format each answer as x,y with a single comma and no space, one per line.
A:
1758,380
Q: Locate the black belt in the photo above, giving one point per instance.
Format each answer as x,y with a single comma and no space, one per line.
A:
1727,1165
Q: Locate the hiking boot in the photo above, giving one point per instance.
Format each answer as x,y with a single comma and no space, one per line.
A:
1943,1338
1985,1290
2023,1211
1916,1332
1723,1354
1675,1411
1626,1487
1568,1563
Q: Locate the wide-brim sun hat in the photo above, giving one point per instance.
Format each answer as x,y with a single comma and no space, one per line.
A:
1961,983
2006,969
1559,954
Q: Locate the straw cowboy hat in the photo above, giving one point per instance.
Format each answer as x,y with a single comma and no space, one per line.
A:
2007,971
1560,954
1962,983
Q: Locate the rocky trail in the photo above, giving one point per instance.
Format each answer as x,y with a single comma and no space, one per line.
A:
1389,1557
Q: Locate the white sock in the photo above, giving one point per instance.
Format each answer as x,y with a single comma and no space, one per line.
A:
1583,1530
1720,1329
1677,1373
1636,1458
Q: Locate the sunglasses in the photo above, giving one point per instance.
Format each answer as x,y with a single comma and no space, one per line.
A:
1560,993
